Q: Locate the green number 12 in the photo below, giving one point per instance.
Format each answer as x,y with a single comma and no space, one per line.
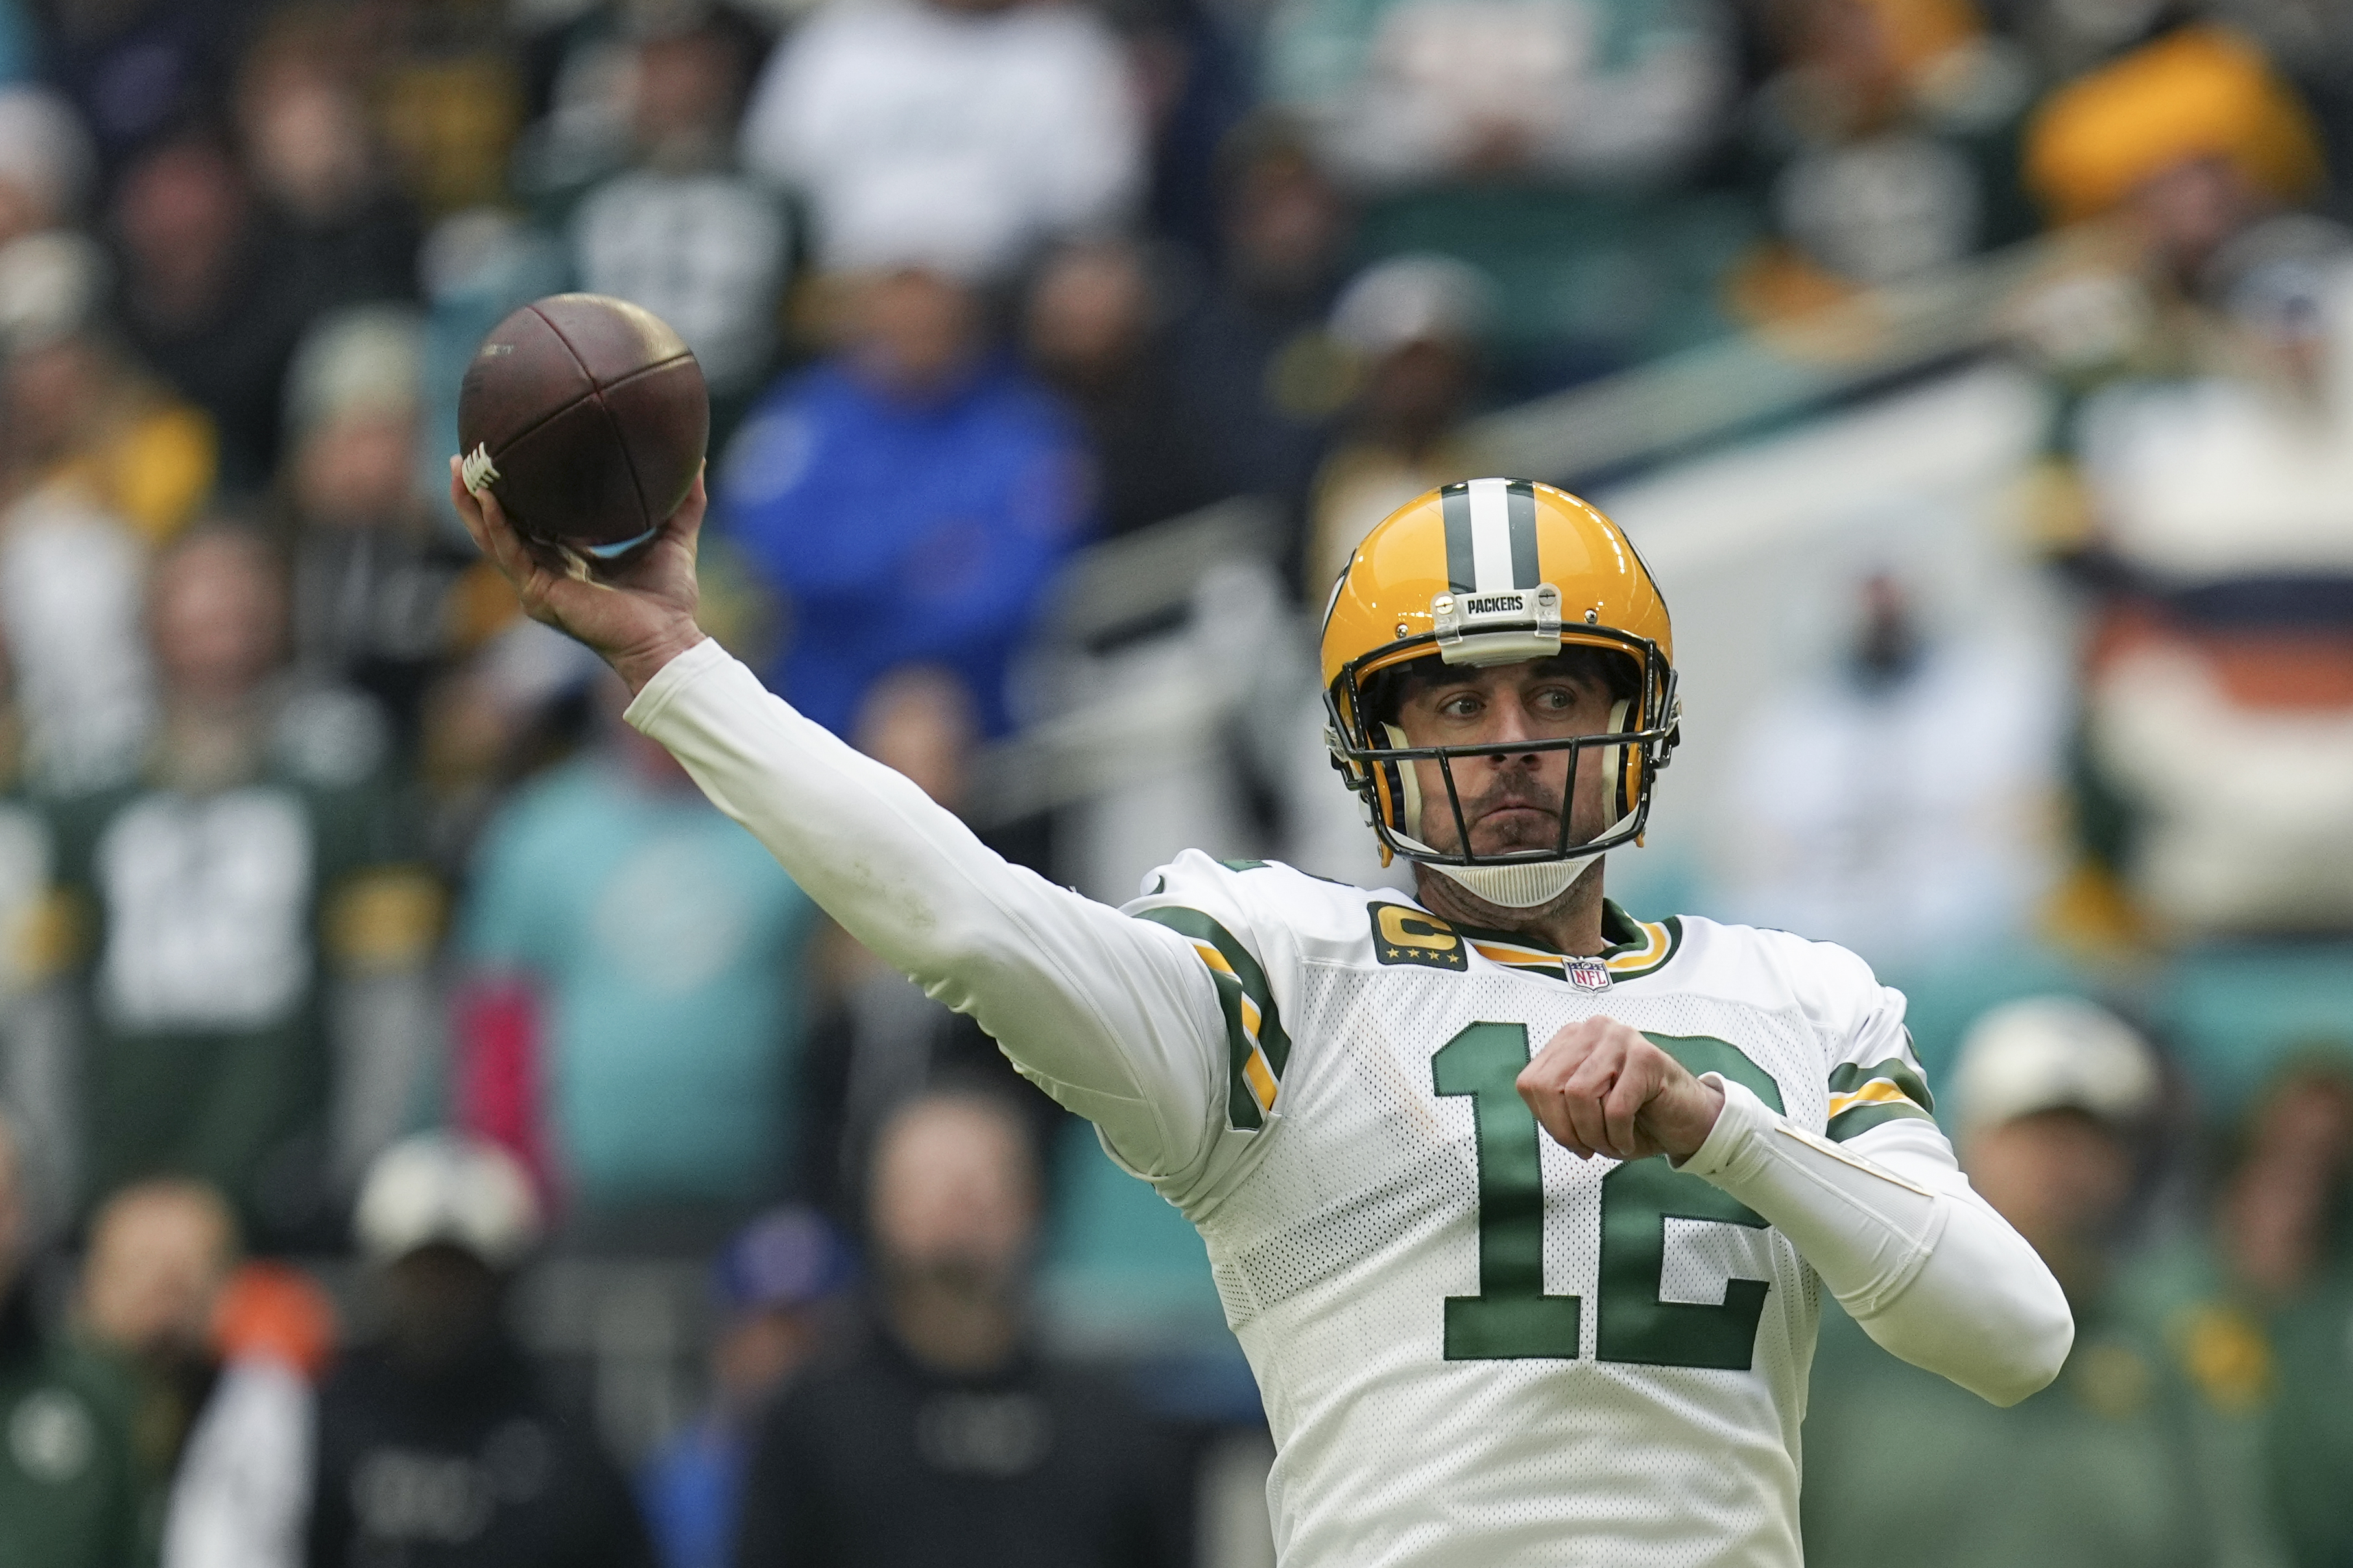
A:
1511,1317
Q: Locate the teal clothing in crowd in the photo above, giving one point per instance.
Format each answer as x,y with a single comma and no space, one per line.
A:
665,947
16,53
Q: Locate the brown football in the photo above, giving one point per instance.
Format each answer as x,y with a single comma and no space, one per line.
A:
587,417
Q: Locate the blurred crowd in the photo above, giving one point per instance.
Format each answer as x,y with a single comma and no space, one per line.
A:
342,920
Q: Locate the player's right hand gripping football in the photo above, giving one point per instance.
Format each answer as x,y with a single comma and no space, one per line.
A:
636,614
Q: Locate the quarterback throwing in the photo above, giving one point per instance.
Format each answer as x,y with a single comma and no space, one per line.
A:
1520,1206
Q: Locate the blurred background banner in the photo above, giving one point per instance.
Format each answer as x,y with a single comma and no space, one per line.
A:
420,1111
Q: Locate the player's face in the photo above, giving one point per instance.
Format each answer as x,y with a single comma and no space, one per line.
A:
1511,801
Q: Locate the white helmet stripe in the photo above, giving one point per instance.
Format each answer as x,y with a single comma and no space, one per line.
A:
1490,536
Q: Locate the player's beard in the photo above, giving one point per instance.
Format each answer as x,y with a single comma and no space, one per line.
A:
1536,826
1505,897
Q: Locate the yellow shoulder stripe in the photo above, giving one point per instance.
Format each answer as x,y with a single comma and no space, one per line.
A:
1878,1091
1256,1071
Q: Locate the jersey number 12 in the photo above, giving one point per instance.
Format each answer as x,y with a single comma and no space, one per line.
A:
1511,1317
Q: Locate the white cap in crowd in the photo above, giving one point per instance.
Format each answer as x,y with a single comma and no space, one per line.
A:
450,1188
2052,1053
52,285
45,152
1419,298
362,360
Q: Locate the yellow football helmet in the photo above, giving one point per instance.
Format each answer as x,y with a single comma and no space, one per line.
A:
1496,571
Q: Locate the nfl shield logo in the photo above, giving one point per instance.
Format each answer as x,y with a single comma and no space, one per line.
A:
1588,973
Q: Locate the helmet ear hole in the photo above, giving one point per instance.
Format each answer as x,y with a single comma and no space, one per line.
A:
1401,790
1626,762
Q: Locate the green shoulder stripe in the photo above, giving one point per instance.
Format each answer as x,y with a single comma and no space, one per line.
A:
1862,1097
1256,1046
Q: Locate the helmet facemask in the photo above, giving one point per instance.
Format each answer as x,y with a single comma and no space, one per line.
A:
1372,754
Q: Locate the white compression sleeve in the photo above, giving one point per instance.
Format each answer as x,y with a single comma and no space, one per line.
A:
1923,1264
1116,1018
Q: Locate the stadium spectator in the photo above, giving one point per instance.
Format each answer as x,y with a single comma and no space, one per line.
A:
205,300
220,1355
1886,146
2229,631
2205,381
978,128
376,585
1897,802
2289,1231
968,480
45,162
160,1254
2188,139
136,68
70,1487
1549,145
253,982
2271,1243
633,1008
1421,94
340,233
1193,68
448,92
1413,326
435,1443
1094,330
775,1286
84,440
82,419
946,1437
1254,360
680,231
2178,150
2053,1097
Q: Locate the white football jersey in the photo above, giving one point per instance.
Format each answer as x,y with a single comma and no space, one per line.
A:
1473,1347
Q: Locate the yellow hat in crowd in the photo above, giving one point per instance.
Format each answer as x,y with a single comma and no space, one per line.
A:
2200,93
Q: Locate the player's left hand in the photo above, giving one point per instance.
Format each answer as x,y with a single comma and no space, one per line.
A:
1600,1087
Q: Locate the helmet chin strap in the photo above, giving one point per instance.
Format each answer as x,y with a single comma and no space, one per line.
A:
1528,884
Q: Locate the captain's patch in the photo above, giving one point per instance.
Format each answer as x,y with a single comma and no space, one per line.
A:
1401,935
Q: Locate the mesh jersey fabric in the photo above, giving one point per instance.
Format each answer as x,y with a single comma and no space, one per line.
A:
1339,1227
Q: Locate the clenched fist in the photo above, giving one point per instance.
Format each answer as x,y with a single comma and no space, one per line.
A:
1600,1087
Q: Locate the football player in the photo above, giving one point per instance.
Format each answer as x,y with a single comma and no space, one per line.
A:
1520,1206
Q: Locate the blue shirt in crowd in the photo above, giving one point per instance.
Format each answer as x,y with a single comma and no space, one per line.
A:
905,533
689,1490
666,946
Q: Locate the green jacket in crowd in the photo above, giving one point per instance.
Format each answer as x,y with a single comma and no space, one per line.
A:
211,925
2096,1471
2311,1435
70,1494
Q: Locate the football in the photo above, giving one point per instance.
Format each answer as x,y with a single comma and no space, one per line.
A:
587,416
